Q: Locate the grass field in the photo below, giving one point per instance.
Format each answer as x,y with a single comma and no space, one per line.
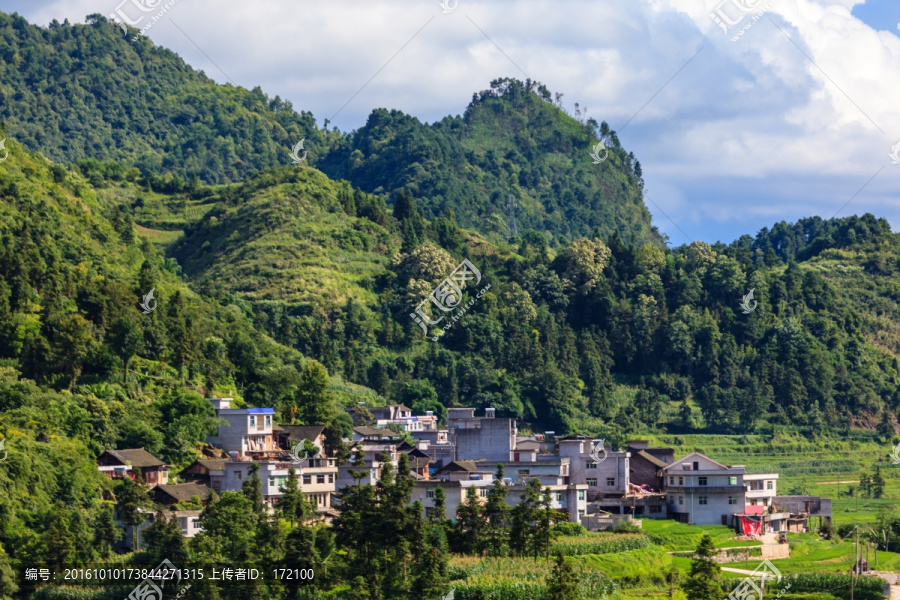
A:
804,466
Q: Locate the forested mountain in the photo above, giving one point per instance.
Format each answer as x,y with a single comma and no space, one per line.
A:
78,92
85,91
511,141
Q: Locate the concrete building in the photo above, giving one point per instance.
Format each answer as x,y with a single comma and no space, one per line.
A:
485,437
249,432
605,479
703,491
397,414
568,499
317,479
761,489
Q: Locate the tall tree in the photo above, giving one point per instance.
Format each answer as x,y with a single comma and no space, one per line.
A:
563,583
702,584
126,340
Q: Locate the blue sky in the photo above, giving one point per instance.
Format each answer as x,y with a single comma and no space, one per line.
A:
795,117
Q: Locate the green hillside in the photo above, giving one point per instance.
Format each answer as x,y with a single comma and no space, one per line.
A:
511,141
76,92
84,91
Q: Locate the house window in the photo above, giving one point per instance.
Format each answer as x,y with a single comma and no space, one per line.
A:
252,420
216,486
671,481
655,509
331,478
732,480
681,500
307,479
702,500
681,481
429,493
524,472
591,464
483,493
238,475
592,481
701,481
580,514
732,500
195,523
610,481
320,479
581,494
770,485
268,420
271,481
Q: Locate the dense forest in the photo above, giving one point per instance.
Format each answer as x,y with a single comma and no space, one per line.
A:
84,91
293,286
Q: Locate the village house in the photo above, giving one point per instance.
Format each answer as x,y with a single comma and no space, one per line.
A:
199,470
703,491
288,436
397,414
487,437
116,464
172,494
249,431
317,479
459,476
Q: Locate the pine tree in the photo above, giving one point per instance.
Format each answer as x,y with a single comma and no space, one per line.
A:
496,511
563,584
470,523
877,483
252,490
703,581
164,540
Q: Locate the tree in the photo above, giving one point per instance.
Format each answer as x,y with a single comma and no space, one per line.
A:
126,339
431,564
293,504
865,485
496,512
132,501
75,342
877,483
229,527
164,540
8,585
252,490
470,523
563,583
531,521
314,400
702,584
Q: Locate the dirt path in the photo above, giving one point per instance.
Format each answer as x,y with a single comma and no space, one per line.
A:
746,572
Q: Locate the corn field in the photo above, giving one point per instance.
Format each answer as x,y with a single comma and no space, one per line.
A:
520,579
579,547
866,588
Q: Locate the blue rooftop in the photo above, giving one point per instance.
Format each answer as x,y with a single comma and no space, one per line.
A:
261,410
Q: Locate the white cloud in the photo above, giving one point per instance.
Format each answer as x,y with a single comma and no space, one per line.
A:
754,115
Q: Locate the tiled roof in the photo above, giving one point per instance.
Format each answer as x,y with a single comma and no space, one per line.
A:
183,492
298,433
136,457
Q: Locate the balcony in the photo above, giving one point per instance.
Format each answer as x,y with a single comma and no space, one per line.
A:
709,489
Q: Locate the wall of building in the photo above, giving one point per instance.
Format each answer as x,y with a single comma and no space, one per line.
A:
489,439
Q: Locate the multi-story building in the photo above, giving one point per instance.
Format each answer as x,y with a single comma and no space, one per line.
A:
475,438
249,431
606,479
317,479
703,491
397,414
761,489
569,499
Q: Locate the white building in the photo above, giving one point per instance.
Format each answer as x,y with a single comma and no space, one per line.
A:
703,491
761,489
317,479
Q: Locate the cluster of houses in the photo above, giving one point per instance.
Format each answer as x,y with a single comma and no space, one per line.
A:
594,486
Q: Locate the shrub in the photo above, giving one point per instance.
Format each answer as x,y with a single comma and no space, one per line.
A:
569,529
